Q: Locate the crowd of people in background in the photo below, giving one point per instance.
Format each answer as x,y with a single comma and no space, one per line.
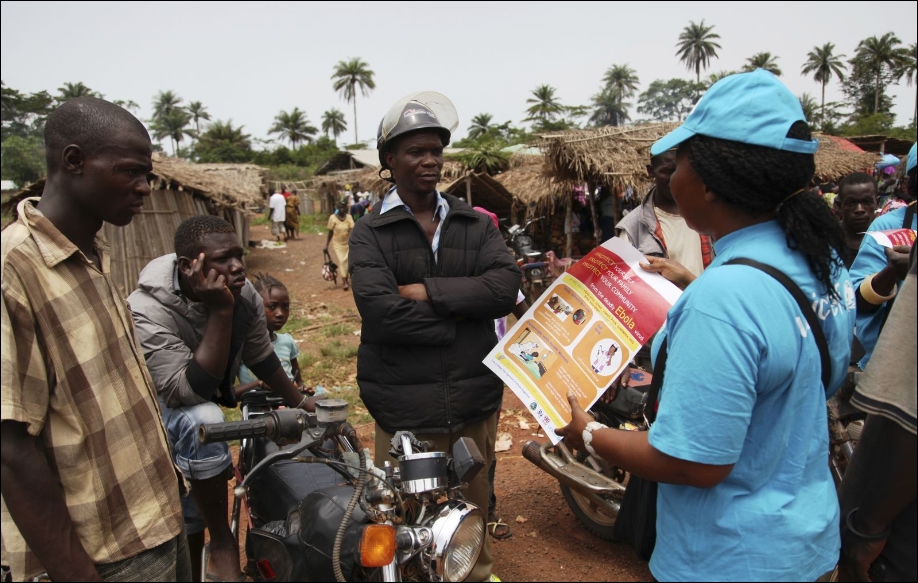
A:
101,399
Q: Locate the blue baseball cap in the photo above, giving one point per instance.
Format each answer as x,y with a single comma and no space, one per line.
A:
910,163
750,108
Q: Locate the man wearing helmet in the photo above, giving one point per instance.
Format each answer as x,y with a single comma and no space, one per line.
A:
429,275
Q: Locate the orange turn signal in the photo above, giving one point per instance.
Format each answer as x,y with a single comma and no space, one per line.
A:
377,545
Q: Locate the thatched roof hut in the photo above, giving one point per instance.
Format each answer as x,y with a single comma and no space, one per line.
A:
882,144
180,190
838,157
481,189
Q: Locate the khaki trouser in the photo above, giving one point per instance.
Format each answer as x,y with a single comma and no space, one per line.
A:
484,434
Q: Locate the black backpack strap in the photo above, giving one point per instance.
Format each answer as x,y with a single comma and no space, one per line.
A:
909,216
818,334
659,367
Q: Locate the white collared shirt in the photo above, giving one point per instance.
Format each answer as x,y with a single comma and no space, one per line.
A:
392,200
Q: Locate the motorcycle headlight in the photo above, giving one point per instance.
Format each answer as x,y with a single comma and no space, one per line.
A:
458,531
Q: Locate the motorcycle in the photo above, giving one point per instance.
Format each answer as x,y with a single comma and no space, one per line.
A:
592,487
536,269
317,510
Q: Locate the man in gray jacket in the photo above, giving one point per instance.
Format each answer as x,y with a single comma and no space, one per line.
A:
197,318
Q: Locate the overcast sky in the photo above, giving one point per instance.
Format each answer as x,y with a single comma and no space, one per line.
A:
246,61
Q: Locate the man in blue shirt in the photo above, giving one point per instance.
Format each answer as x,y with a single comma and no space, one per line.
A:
878,272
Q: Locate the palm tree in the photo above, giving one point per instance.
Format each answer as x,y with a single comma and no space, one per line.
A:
481,125
609,109
763,60
824,65
172,125
169,118
908,70
623,79
809,106
715,77
129,104
696,47
878,56
198,112
165,102
545,104
74,90
293,126
348,76
333,121
221,142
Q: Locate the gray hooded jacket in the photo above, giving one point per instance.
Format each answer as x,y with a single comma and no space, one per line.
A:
170,327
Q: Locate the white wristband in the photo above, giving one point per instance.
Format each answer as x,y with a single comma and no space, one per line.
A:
588,435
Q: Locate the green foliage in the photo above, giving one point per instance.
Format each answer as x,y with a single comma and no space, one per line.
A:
697,46
24,115
333,121
609,109
337,330
222,142
824,64
347,77
809,106
299,163
609,106
764,60
485,156
883,59
872,124
198,112
293,126
314,224
670,100
23,159
622,79
74,90
482,132
860,90
169,118
545,105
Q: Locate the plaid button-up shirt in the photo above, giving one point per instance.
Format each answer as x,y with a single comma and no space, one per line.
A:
73,372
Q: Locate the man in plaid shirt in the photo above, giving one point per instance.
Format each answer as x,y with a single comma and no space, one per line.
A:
89,490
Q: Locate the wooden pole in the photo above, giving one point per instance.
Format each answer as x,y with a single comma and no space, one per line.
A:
468,188
591,200
569,223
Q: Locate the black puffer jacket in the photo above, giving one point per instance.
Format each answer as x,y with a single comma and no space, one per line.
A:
419,366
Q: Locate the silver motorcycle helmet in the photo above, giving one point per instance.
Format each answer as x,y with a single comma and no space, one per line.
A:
418,111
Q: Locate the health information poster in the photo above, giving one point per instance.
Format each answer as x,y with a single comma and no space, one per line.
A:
583,331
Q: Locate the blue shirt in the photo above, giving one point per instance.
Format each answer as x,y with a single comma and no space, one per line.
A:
392,200
286,350
743,386
870,259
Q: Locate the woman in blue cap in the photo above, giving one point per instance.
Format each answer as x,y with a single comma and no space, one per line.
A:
745,491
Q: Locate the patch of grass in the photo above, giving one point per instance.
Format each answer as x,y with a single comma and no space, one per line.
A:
315,224
338,351
259,220
337,330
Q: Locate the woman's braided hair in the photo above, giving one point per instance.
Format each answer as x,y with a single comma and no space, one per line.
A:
758,180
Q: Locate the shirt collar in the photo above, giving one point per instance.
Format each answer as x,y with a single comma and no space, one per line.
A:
392,200
54,246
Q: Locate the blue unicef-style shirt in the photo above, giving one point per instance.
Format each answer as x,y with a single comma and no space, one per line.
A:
743,386
286,350
870,259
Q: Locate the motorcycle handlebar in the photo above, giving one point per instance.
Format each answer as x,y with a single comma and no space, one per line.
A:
211,432
280,424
